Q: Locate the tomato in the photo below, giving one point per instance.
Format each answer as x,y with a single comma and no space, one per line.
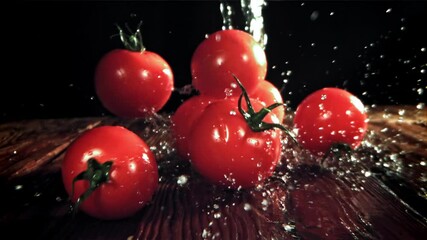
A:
133,83
330,116
227,151
188,112
222,54
184,118
268,94
133,173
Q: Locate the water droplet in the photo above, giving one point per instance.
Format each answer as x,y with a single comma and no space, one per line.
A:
288,228
247,207
314,15
18,187
206,233
182,180
228,92
388,10
394,157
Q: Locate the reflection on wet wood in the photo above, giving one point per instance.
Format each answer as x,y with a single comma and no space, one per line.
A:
377,194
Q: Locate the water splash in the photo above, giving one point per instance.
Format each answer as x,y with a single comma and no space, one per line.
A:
254,21
227,12
252,10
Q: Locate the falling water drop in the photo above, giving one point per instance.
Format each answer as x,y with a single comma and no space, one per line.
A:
254,21
227,12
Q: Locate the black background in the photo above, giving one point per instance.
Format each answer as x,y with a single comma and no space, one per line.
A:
51,49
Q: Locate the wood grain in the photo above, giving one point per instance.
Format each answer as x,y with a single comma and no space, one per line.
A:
378,193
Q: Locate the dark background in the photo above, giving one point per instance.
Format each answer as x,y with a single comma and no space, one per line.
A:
373,49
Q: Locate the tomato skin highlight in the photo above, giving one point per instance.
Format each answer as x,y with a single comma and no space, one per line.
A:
329,116
133,176
227,152
222,54
133,84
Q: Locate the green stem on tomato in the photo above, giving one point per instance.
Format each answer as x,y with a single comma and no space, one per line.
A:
255,119
97,174
132,42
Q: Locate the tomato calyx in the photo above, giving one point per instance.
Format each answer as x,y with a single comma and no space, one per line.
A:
97,174
255,119
133,41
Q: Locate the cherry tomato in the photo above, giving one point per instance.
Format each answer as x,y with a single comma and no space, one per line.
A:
188,112
223,54
268,94
226,151
132,175
133,82
184,118
330,116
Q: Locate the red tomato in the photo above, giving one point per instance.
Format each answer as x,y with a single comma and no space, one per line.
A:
184,118
329,116
225,150
133,83
268,94
222,54
133,177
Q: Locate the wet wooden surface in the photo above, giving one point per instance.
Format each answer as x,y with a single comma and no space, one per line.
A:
378,193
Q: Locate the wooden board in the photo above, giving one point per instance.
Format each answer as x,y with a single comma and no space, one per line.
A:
378,193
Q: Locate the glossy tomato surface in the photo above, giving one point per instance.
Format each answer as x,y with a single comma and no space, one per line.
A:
223,54
133,84
184,118
268,94
133,175
227,152
329,116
